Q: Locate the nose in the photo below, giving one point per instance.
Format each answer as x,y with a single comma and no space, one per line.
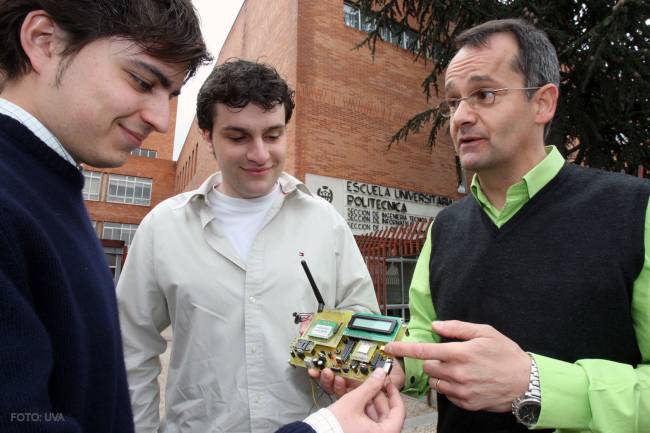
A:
464,114
156,113
258,152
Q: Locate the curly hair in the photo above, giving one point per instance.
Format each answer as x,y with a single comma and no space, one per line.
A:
237,83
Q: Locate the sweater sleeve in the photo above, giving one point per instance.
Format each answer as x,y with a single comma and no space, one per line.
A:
422,314
297,427
598,395
26,361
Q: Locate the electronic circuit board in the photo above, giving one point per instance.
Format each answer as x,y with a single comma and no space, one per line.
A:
349,343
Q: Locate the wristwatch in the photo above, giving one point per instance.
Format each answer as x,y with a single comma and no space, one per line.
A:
528,407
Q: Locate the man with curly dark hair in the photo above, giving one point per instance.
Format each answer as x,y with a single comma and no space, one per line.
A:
221,264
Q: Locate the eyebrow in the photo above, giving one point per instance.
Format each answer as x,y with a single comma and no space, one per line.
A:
244,130
472,79
164,79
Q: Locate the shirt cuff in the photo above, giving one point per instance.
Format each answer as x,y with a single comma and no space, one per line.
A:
565,401
324,421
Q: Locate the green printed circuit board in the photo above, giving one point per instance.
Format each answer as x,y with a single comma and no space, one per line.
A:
349,343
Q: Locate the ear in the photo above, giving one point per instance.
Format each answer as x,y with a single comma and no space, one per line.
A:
38,37
207,137
546,103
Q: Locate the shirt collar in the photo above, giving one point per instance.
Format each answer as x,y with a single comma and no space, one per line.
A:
533,181
288,184
17,113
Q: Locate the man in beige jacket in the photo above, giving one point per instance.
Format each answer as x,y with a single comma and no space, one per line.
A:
221,264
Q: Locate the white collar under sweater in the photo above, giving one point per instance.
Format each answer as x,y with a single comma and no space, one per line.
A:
17,113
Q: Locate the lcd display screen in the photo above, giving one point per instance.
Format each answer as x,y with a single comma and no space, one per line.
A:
381,326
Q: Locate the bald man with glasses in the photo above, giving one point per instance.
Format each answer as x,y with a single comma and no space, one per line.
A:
537,285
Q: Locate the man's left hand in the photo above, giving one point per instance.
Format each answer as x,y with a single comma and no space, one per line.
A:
484,371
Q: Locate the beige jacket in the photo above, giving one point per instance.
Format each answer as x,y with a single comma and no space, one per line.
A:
232,323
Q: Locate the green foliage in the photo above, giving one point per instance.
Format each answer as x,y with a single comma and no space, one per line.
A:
603,116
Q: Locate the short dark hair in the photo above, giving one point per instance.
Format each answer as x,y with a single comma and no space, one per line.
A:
168,30
536,60
237,83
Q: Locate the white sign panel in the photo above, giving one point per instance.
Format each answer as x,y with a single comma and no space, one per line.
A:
368,207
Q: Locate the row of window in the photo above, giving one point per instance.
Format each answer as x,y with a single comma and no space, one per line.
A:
116,231
121,189
147,153
355,18
119,232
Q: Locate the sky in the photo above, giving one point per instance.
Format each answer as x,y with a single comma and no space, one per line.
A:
217,18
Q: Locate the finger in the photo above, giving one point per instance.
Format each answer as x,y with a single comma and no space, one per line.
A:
395,419
461,330
313,373
458,402
418,350
352,384
371,412
367,391
433,368
438,385
381,406
326,380
397,376
340,386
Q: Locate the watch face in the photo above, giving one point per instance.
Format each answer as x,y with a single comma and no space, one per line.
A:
528,412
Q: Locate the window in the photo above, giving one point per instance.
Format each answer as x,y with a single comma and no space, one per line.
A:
367,24
399,273
409,40
353,17
147,153
114,261
92,184
129,190
119,232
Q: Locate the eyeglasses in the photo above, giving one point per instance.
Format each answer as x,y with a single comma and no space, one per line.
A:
480,98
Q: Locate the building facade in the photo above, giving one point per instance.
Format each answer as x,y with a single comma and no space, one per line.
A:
348,106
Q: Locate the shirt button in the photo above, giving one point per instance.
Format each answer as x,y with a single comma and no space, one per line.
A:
252,299
253,349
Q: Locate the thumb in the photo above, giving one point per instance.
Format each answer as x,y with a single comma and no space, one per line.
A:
459,330
370,387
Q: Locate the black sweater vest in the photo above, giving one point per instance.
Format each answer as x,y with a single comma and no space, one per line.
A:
556,278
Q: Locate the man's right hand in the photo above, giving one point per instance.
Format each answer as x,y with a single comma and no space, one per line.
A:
367,410
331,383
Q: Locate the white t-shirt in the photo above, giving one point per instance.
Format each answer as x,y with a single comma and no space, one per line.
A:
241,218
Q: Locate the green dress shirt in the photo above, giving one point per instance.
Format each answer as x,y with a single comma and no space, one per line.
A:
590,395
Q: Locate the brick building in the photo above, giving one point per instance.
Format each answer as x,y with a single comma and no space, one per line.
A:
347,105
118,198
347,108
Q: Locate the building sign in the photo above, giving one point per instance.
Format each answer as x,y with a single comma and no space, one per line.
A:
368,207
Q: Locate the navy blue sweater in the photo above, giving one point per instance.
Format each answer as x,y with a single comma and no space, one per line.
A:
61,362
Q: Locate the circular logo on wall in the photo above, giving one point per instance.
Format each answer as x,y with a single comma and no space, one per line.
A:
326,193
